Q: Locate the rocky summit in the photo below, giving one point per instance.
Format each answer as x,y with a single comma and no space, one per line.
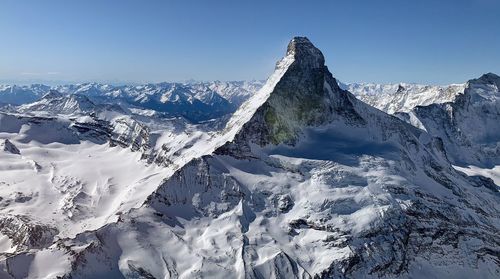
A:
303,180
306,95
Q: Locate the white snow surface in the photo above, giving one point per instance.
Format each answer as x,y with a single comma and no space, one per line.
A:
73,187
403,97
493,173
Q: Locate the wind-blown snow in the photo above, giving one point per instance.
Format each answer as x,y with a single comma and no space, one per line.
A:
493,173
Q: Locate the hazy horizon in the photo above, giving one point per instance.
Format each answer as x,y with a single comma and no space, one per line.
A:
131,83
428,42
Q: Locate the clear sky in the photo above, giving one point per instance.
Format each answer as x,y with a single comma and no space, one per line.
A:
423,41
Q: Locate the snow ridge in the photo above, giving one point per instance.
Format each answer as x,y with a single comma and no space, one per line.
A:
196,101
403,97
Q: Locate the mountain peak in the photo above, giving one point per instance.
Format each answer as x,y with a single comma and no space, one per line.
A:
58,103
7,146
487,87
305,52
489,78
300,93
52,94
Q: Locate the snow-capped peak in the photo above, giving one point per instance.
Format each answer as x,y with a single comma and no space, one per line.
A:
490,78
304,51
57,103
52,94
486,86
301,92
403,97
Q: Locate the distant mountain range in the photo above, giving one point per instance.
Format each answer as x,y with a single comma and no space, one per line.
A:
403,97
199,101
195,101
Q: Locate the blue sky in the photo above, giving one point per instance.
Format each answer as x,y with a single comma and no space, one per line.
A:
423,41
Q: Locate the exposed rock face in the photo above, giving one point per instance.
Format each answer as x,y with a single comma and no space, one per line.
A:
122,131
306,95
468,126
400,89
488,81
7,146
129,133
210,191
26,234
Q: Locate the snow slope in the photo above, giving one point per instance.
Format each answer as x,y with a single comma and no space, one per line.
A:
493,173
66,183
403,97
467,125
464,116
68,165
56,103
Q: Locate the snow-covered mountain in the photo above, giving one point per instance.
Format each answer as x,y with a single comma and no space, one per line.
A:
464,116
17,95
235,92
171,98
468,125
403,97
56,103
69,164
304,181
196,101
